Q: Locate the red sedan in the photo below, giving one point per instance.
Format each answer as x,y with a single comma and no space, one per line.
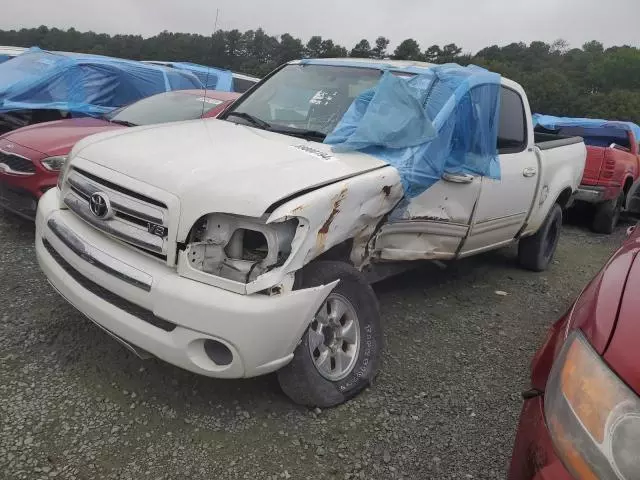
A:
31,157
581,419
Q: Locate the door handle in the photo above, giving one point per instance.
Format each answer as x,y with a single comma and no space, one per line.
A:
458,178
529,172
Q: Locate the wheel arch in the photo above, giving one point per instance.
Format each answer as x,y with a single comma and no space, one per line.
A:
564,198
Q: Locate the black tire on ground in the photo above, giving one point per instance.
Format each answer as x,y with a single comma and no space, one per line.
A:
300,379
536,252
607,215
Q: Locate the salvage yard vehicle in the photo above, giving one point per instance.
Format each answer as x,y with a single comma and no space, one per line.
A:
31,157
244,245
39,86
612,168
7,53
581,418
214,78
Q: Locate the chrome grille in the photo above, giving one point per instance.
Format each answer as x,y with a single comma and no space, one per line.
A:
17,164
135,219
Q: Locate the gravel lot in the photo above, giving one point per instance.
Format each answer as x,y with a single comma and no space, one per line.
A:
74,404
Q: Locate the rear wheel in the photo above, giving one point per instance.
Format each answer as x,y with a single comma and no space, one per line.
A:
607,215
340,352
536,252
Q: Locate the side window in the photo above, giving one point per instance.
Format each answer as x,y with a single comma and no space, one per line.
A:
512,135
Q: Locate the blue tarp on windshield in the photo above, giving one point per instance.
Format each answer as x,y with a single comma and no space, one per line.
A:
213,78
553,123
82,84
443,119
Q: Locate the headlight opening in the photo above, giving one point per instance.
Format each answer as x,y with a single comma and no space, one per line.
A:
239,248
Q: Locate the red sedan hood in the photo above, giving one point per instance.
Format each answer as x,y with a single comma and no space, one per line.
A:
623,354
57,138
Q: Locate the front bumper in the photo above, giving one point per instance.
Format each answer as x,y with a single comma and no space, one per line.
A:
18,200
534,457
146,304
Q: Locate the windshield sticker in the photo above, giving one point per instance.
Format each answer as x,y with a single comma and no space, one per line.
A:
314,152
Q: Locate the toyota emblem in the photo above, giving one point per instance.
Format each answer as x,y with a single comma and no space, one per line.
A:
100,205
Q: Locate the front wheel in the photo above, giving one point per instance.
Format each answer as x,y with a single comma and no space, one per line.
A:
340,352
536,252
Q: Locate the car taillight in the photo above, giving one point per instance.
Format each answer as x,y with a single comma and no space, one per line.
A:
608,168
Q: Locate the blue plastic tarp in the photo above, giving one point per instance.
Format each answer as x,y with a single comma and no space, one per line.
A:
213,78
553,123
443,119
83,84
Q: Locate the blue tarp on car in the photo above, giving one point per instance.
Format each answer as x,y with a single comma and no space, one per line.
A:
213,78
553,123
445,118
82,84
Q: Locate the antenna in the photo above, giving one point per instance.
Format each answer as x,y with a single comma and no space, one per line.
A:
206,84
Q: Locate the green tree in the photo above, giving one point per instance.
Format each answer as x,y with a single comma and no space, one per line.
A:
314,47
289,48
433,54
408,50
380,50
361,50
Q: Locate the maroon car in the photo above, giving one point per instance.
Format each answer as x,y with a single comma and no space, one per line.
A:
581,419
31,157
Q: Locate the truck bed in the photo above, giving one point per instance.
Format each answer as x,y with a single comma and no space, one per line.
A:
547,141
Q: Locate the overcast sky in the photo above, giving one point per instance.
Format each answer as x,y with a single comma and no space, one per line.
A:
472,24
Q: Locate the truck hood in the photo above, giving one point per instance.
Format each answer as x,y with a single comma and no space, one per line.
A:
219,166
57,138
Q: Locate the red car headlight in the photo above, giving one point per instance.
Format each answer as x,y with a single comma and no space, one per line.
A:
54,164
593,417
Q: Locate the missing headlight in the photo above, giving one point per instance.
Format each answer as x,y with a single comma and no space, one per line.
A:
239,248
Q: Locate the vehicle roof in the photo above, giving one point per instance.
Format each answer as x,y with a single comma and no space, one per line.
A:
368,62
242,76
399,65
384,62
8,50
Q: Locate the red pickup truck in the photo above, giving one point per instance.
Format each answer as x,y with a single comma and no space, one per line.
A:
581,418
612,168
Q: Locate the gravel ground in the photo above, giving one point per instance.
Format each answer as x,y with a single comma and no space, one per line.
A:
74,404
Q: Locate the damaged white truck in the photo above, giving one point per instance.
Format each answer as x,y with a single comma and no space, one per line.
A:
246,245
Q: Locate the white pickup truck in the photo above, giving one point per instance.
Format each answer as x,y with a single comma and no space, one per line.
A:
238,247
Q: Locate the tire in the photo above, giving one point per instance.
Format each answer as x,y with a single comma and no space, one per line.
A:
536,252
327,385
607,215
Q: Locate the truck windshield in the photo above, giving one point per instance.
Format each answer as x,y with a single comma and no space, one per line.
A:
304,100
162,108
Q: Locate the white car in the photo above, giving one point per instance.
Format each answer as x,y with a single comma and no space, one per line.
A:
238,247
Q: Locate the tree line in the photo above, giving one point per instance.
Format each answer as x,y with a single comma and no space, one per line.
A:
589,81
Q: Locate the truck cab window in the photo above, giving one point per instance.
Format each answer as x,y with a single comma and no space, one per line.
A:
512,134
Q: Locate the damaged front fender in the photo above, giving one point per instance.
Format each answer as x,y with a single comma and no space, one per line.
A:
350,209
